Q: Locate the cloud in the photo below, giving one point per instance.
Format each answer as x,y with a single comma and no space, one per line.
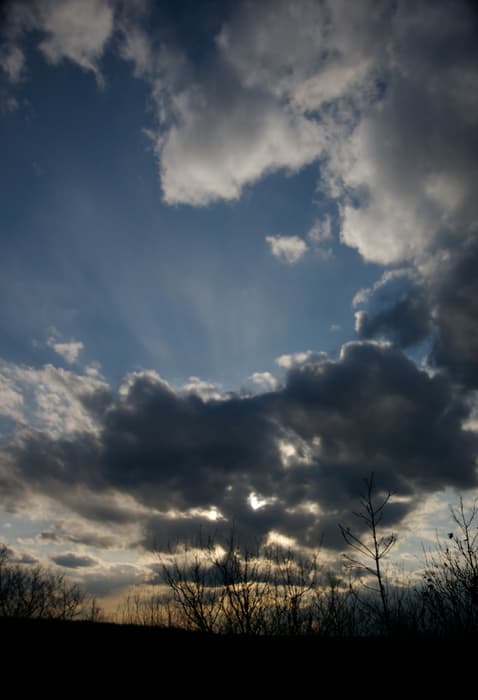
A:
437,303
300,358
403,185
306,52
454,313
74,561
356,89
382,98
163,460
199,387
222,139
68,351
11,398
406,322
74,30
51,399
321,230
12,61
288,249
265,379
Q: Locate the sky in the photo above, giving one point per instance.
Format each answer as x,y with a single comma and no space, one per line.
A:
238,254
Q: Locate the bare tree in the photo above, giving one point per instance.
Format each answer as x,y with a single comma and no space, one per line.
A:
191,575
335,608
451,575
372,547
32,591
294,579
245,575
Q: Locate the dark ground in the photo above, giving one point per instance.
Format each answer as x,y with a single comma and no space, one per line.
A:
131,648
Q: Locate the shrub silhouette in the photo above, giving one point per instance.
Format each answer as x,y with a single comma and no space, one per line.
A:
450,589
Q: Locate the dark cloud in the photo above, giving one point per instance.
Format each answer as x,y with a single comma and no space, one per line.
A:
114,578
455,314
179,456
73,561
405,322
441,306
375,407
90,538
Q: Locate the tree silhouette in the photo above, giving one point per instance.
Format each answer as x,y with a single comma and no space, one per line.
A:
32,591
371,550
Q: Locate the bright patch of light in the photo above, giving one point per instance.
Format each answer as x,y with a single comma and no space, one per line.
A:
307,507
256,502
295,451
277,538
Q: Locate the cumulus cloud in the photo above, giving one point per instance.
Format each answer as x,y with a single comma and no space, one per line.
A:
383,97
11,398
166,459
365,90
265,379
406,322
437,303
288,249
50,398
296,359
69,351
411,160
224,139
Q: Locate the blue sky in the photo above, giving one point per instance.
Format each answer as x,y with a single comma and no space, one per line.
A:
99,256
244,236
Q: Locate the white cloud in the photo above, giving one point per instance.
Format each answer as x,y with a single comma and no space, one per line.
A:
12,61
205,390
77,30
396,119
289,249
306,52
359,317
136,47
408,164
297,359
69,351
279,63
148,374
386,96
265,379
321,230
221,141
11,399
49,398
364,294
